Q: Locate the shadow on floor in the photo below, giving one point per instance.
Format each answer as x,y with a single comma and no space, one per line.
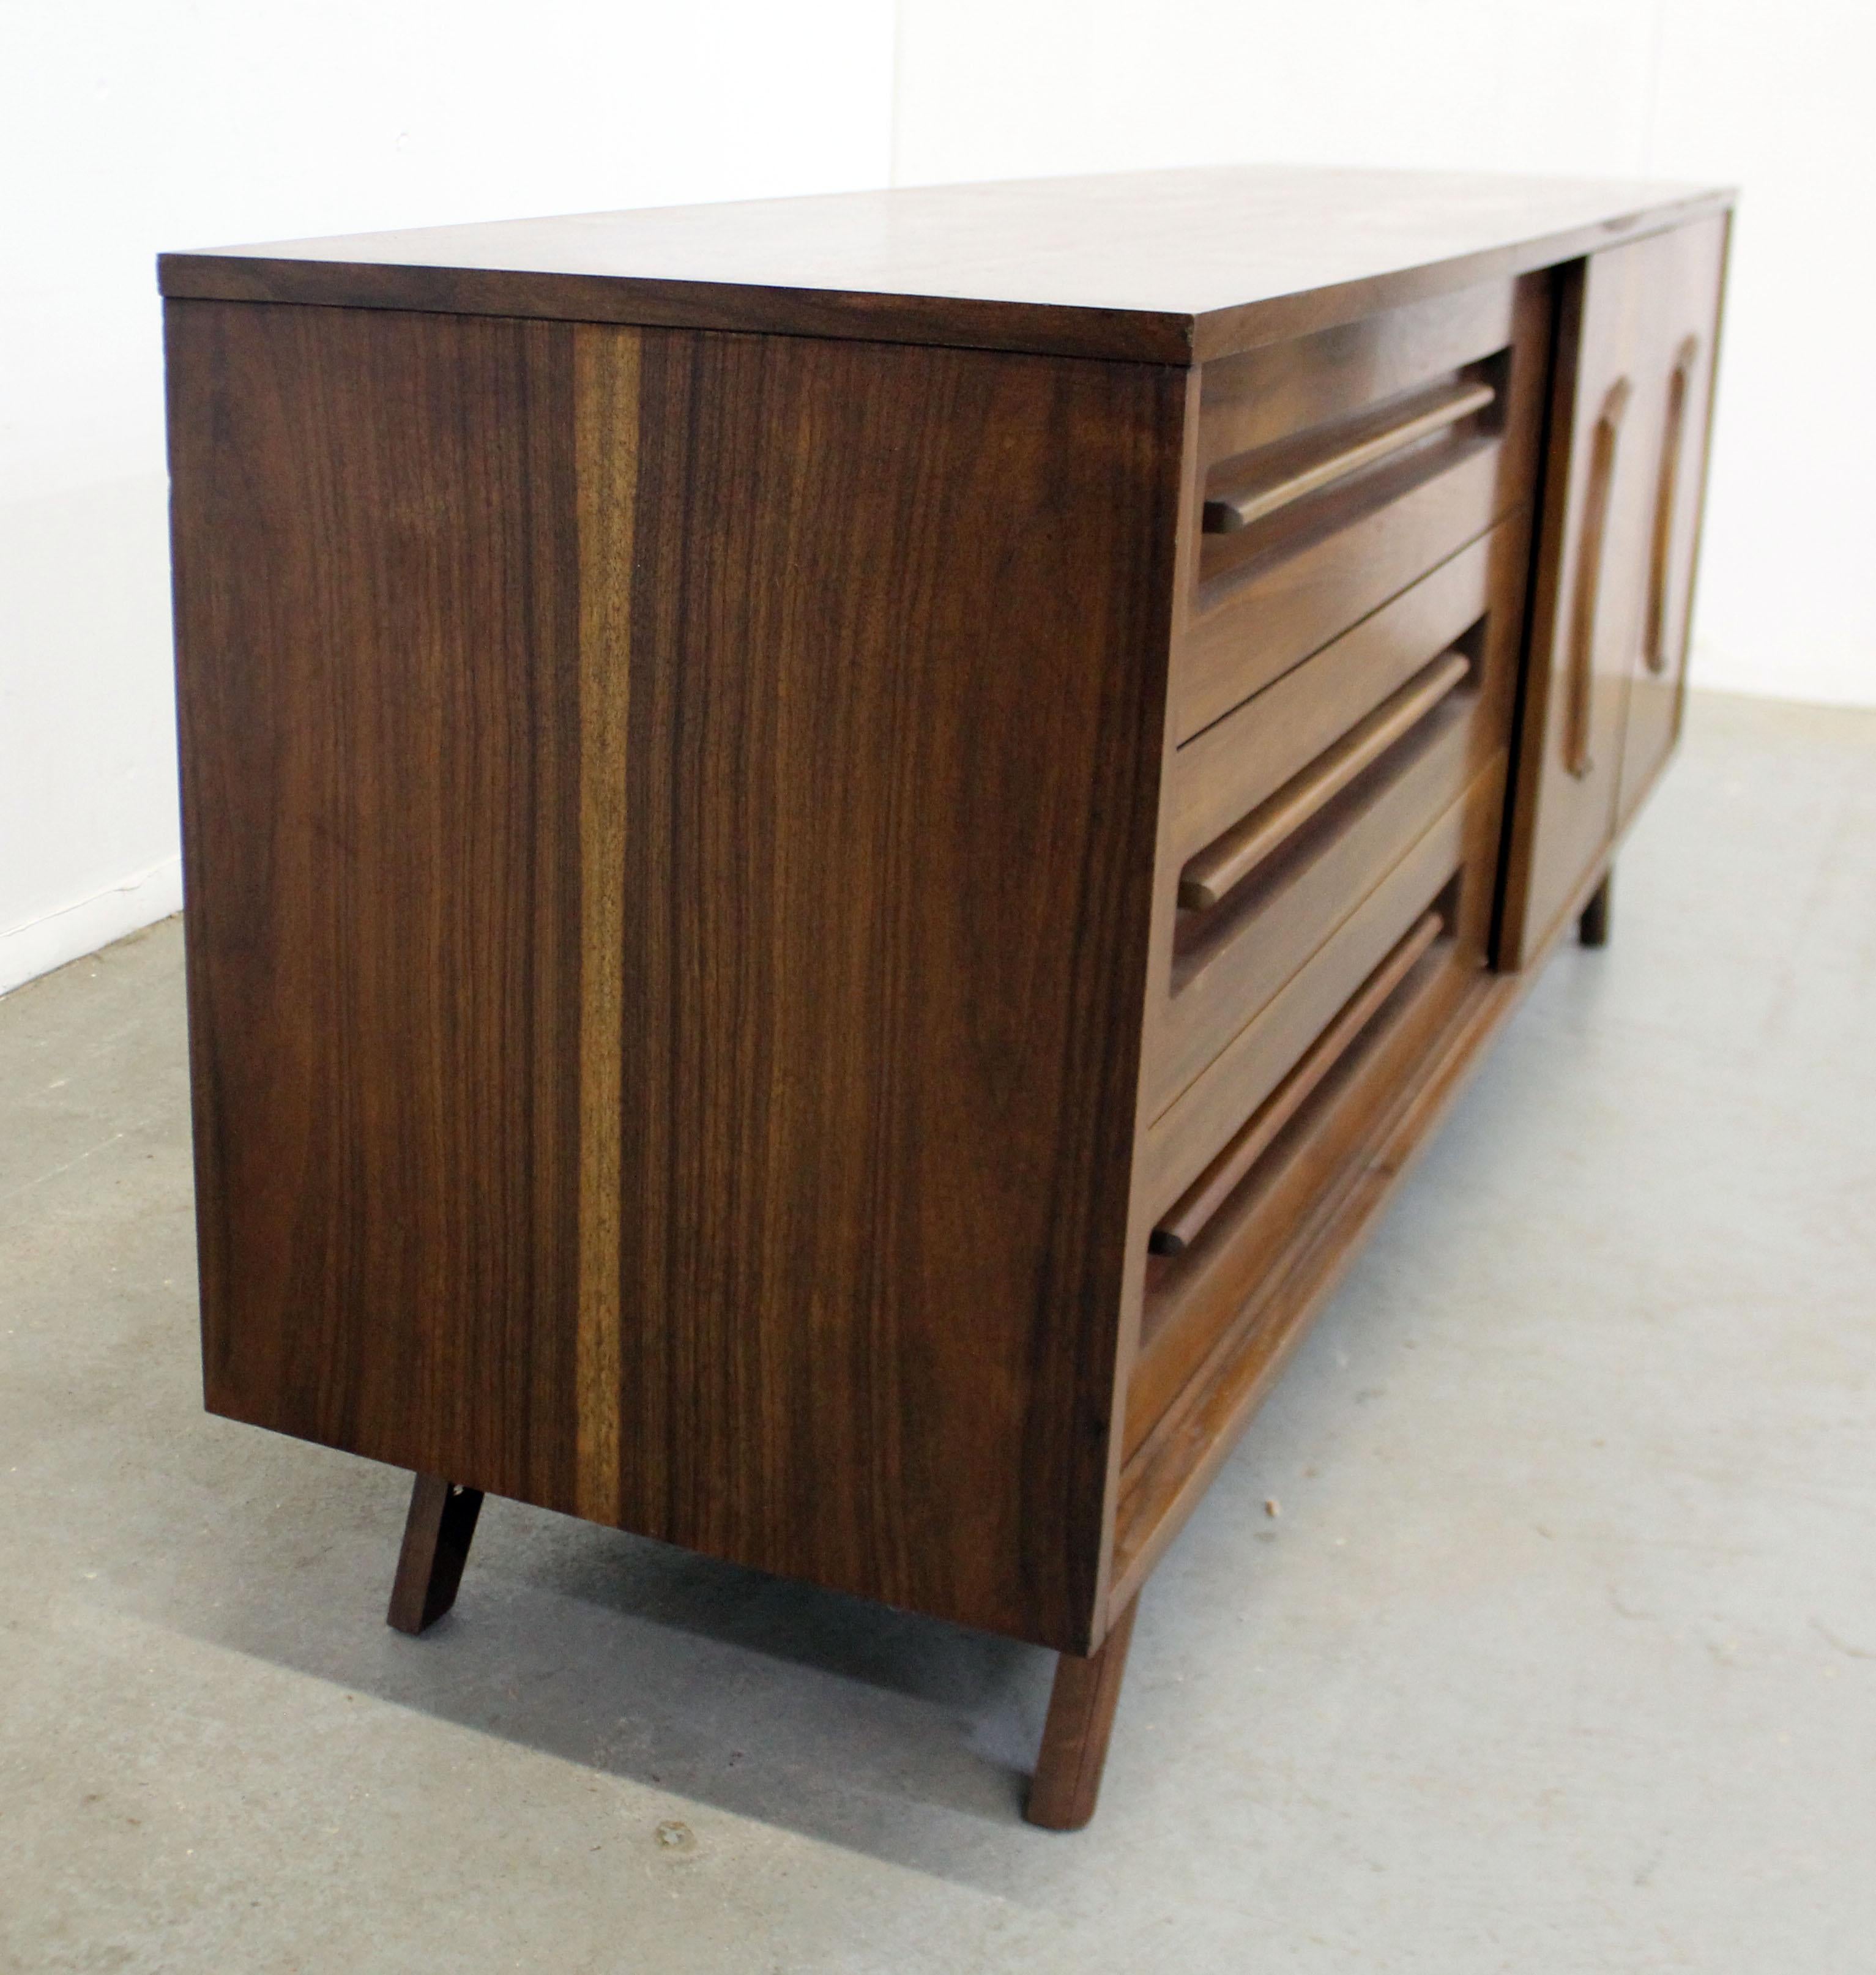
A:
835,1717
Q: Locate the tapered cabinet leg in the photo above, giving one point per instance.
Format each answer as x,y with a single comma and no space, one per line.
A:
1592,928
437,1535
1067,1781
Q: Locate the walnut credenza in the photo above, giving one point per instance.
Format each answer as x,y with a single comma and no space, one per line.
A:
836,849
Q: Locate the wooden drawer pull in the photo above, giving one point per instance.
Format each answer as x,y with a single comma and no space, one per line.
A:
1229,512
1190,1213
1222,865
1666,499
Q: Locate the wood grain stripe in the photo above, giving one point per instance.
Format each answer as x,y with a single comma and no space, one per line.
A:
606,397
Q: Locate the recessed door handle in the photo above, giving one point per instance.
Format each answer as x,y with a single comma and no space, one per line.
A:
1591,554
1666,502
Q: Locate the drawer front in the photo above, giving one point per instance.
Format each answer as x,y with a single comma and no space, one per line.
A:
1223,773
1191,1131
1230,962
1308,529
1193,1298
1283,818
1220,1238
1262,396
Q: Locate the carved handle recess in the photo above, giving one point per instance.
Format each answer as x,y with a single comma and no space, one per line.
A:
1666,502
1589,559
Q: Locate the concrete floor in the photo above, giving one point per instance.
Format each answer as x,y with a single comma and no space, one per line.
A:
1561,1654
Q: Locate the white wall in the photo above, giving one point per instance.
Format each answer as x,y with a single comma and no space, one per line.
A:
1777,99
126,126
1770,94
130,126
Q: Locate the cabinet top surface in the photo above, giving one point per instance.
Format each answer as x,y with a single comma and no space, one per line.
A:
1159,266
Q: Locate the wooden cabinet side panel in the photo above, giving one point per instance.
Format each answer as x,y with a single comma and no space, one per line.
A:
670,821
899,627
377,671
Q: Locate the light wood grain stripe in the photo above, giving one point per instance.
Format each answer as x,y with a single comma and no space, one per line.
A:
606,402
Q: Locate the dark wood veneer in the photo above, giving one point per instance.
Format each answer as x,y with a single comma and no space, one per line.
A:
783,953
655,959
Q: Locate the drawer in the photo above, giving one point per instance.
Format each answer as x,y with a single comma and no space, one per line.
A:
1260,396
1221,775
1310,1140
1223,1239
1407,444
1230,960
1190,1132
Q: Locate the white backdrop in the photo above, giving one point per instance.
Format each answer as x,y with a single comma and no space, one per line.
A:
130,126
1771,97
126,126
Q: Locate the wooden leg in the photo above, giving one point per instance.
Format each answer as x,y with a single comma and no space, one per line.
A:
1074,1740
437,1534
1592,928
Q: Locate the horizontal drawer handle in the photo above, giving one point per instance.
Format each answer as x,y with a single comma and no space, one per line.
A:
1222,865
1202,1199
1229,512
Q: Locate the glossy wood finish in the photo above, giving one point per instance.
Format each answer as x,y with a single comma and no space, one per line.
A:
1228,965
606,757
1264,395
1209,878
1266,484
1161,266
1350,1153
1328,568
751,858
1067,1781
1242,761
1195,1305
1234,1260
438,1531
1185,1136
1270,596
